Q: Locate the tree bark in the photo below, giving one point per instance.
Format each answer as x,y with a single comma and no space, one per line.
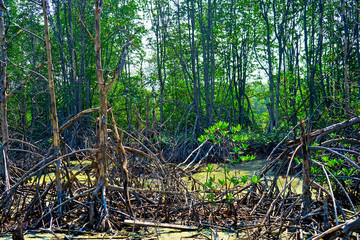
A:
346,55
54,115
306,205
102,159
270,105
3,98
75,81
102,138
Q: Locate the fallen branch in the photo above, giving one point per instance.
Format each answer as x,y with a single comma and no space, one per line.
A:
162,225
71,121
317,134
345,228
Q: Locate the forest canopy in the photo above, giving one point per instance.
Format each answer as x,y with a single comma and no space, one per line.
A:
261,64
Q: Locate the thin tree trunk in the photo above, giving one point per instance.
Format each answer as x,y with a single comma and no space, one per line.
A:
82,70
270,105
196,90
309,66
346,56
102,138
102,135
71,41
102,159
58,31
3,98
357,43
54,116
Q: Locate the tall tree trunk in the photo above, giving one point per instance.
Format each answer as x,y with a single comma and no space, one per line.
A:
346,56
82,78
208,57
54,116
58,31
279,33
320,48
270,105
3,98
102,159
75,81
160,29
310,67
102,138
195,70
102,135
357,37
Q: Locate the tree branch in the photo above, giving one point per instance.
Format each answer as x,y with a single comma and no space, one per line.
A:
22,84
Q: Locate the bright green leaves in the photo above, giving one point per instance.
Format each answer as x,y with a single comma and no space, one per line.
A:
229,197
231,138
202,138
236,129
337,167
210,183
244,179
247,158
255,179
209,168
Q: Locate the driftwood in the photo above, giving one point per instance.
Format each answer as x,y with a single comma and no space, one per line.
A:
160,225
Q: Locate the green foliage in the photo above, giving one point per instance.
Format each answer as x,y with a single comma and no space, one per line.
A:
247,158
335,166
209,168
210,183
244,179
220,134
234,180
255,179
297,160
229,197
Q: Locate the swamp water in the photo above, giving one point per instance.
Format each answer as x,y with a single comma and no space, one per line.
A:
246,168
151,233
218,172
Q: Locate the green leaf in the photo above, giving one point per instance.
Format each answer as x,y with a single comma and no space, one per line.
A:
245,146
210,168
222,182
255,179
234,181
230,197
244,179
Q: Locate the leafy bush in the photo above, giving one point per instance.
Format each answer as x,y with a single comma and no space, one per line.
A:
231,138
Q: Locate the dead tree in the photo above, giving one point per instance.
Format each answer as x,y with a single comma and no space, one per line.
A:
102,135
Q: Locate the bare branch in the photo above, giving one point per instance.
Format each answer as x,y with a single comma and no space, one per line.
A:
24,68
87,30
25,30
121,62
22,84
71,121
